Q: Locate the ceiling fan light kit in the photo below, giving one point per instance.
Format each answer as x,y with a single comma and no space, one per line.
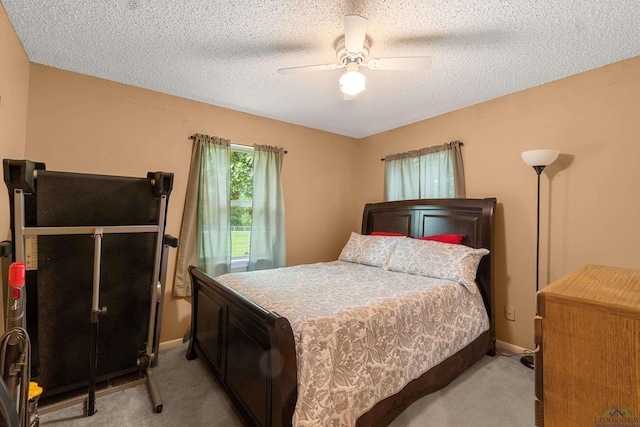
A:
352,82
352,50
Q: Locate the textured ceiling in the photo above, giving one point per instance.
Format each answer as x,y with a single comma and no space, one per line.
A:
226,53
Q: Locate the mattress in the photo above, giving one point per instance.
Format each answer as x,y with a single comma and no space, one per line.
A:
362,333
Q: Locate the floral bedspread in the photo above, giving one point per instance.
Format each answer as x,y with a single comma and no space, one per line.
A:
362,333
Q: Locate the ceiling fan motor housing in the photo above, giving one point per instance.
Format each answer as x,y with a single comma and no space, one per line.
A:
346,57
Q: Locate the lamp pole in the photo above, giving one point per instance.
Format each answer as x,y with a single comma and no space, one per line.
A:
527,360
538,159
538,170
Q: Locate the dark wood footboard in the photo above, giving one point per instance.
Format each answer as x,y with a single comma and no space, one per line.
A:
249,349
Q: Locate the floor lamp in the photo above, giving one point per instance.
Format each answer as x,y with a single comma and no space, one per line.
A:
538,159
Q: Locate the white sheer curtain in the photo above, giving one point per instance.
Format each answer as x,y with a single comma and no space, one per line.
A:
205,236
433,172
267,247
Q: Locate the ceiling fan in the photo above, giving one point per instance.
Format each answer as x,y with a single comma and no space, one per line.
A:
352,51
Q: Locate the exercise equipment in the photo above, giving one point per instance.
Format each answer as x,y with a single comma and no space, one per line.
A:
95,256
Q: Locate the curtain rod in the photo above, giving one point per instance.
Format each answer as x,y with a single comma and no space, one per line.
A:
193,137
384,158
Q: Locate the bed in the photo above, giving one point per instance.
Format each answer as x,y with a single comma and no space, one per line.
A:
250,346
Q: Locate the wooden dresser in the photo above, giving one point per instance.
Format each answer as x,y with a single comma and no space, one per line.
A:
587,369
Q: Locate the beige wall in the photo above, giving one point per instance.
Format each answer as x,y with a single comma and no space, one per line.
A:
589,196
78,123
14,85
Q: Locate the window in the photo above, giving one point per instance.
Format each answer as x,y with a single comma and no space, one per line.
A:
228,180
241,173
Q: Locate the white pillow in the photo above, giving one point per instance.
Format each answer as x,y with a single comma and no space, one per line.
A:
458,263
369,250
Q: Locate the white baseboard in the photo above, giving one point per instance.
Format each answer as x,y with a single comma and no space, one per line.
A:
169,344
509,348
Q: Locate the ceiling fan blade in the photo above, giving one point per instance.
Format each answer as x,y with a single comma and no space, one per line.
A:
306,68
355,30
410,63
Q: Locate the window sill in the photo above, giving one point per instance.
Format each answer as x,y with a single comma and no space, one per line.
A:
240,264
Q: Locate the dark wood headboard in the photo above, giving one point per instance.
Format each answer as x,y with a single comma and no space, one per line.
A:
473,218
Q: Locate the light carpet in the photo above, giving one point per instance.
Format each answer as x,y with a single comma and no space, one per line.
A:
496,391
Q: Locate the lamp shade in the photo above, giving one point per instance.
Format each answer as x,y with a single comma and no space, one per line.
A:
540,157
352,82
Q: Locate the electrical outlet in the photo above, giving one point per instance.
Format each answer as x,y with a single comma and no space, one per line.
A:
510,312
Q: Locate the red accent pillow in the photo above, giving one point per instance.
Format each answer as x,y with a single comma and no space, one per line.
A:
456,239
386,233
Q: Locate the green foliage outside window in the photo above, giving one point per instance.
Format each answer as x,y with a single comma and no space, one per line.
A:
241,170
241,175
241,187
